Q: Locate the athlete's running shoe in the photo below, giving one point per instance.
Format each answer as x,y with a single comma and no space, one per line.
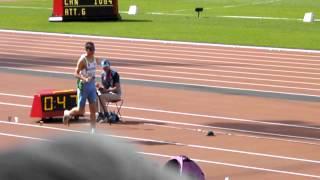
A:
66,117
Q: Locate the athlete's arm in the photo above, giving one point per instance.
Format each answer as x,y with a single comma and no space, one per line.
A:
80,66
115,88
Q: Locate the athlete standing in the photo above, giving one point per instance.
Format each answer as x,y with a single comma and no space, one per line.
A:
85,73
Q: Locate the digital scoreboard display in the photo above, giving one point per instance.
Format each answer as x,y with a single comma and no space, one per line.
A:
74,10
52,103
58,101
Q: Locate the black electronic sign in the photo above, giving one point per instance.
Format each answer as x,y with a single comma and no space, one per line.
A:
72,10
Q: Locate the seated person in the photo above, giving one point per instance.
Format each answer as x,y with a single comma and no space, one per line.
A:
110,89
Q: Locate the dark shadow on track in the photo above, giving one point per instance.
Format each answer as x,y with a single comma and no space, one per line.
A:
273,130
149,143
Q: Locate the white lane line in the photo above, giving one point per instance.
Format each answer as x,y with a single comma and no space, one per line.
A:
14,104
64,63
174,72
204,116
270,54
224,87
152,122
216,75
198,79
15,95
167,82
119,56
181,10
251,4
259,17
202,126
169,14
167,57
146,50
194,55
222,149
158,41
197,160
188,84
191,84
219,81
24,137
234,17
222,117
222,128
237,165
35,70
176,144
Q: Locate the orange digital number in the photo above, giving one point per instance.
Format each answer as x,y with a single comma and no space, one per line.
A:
48,100
63,101
102,2
75,97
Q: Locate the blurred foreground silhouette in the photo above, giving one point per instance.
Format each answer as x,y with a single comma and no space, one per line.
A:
79,157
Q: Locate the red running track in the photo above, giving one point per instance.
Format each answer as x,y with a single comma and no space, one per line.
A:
176,92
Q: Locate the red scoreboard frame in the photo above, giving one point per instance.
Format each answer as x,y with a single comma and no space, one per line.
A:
51,103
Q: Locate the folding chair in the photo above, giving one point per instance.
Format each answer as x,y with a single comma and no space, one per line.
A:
118,105
103,114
